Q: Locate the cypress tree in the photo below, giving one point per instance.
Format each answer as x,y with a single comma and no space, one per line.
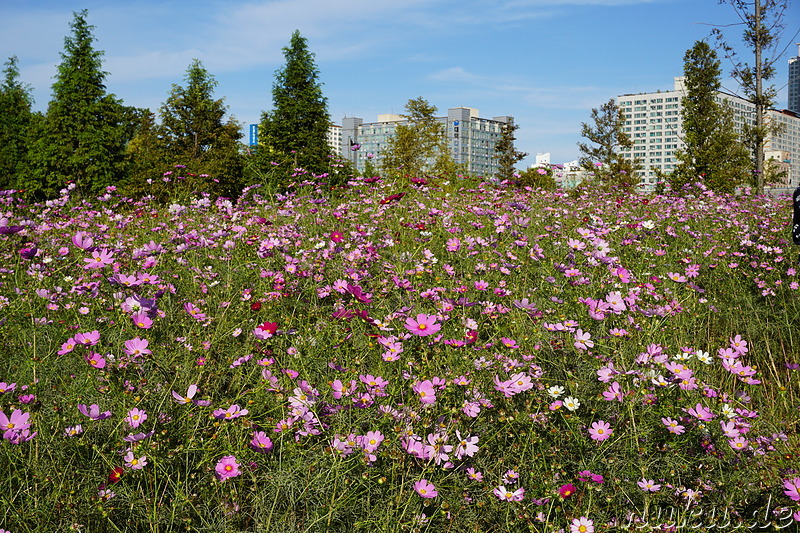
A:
604,157
507,155
194,132
85,130
294,132
15,123
712,153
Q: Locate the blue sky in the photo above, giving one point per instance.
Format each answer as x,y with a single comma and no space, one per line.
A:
545,62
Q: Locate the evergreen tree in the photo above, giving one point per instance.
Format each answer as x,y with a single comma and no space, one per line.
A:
15,125
194,132
713,153
606,159
508,156
85,130
294,132
418,146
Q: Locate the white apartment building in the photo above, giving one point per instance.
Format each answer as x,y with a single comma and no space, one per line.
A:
470,139
654,124
334,138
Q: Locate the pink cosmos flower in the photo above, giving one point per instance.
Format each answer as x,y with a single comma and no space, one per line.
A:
135,417
96,360
648,485
474,475
142,321
227,467
189,395
99,259
673,426
600,430
582,340
567,490
230,413
792,489
739,443
67,346
260,442
581,525
82,240
425,391
136,347
729,429
16,423
93,412
7,387
613,393
265,330
701,413
425,489
87,339
508,495
467,446
423,325
133,463
370,441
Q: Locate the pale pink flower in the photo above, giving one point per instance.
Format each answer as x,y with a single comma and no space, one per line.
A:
600,430
133,463
425,489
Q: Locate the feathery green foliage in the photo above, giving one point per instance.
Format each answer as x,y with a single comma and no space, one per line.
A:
508,156
15,122
294,132
713,153
85,130
604,155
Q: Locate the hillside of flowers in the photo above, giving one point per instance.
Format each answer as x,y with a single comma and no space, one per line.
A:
399,356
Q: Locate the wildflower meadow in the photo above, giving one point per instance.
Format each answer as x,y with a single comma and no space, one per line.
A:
426,355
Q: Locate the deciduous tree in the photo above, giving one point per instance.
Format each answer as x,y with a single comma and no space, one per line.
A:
419,144
762,21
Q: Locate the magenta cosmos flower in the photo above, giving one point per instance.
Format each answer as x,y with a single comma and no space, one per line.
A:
792,489
260,442
93,411
423,325
600,430
227,467
425,488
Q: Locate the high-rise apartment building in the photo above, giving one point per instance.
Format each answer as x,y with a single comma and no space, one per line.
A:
654,124
794,82
470,139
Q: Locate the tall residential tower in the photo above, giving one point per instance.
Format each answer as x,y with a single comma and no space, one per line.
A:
794,82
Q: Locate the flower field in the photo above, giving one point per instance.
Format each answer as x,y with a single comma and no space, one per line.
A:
424,356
